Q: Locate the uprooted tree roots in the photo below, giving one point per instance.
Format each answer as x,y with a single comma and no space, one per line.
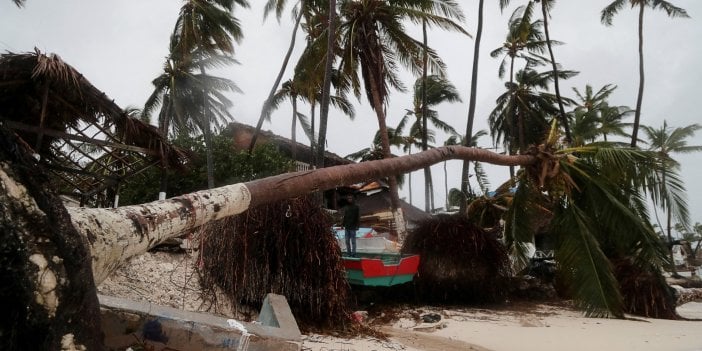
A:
460,262
644,290
286,248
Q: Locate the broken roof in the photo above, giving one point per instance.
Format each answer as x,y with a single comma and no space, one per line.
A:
78,133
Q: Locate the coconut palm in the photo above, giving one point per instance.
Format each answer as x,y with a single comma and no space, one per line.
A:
546,6
594,117
429,92
473,90
607,16
374,41
203,29
178,91
524,40
667,141
278,5
528,106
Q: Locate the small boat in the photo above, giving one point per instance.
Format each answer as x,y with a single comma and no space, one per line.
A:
380,270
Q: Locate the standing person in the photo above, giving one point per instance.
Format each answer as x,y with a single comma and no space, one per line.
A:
352,218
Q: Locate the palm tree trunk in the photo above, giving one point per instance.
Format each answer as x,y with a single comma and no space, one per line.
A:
326,86
471,106
398,217
163,126
510,120
673,268
446,186
207,131
410,179
428,204
639,96
564,120
313,161
293,130
266,104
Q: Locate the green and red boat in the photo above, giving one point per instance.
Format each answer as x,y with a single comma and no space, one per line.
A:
380,270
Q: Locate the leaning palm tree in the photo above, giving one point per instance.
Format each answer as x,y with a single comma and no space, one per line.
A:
667,141
278,6
429,92
607,16
374,41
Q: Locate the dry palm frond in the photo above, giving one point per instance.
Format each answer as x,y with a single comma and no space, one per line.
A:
459,262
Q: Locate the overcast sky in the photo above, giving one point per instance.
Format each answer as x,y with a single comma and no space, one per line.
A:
120,47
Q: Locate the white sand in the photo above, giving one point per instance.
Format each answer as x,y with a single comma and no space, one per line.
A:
538,328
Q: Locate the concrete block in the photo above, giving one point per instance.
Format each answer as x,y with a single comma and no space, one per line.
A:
127,323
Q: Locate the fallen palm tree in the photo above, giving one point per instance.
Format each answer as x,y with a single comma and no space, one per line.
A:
53,262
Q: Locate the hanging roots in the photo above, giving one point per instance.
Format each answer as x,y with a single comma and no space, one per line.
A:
644,290
285,248
460,262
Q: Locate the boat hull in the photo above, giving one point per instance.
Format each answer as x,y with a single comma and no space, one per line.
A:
380,270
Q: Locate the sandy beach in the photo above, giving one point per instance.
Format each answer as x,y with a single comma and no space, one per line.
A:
169,279
539,327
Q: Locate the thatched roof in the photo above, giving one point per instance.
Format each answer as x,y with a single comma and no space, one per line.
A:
80,134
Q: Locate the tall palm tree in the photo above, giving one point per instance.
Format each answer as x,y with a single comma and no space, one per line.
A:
607,16
546,6
473,92
430,91
205,28
524,40
278,5
374,41
178,91
667,141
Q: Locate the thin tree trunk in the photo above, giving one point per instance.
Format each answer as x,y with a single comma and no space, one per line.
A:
163,126
409,175
564,120
673,268
326,86
639,96
267,103
293,130
385,143
446,186
428,186
313,161
471,105
512,114
208,136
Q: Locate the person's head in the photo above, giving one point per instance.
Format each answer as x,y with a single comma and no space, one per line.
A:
349,198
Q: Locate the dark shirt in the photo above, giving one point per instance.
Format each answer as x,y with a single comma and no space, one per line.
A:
352,217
